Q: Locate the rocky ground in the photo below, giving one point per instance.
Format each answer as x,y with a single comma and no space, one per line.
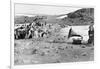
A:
40,51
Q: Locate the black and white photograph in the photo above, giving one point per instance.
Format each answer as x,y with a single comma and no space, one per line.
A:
45,34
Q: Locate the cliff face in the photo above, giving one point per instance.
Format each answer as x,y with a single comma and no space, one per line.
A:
83,16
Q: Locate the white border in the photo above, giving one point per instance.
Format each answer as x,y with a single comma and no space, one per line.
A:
37,66
11,35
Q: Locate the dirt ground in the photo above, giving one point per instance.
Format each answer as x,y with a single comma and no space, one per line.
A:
39,51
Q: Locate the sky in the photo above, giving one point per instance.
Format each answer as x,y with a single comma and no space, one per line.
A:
29,9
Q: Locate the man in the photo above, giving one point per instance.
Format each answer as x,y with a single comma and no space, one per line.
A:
91,34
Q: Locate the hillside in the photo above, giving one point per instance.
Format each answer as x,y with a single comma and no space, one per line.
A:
83,16
27,19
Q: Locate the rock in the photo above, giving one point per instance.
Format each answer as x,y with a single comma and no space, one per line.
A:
84,54
83,46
